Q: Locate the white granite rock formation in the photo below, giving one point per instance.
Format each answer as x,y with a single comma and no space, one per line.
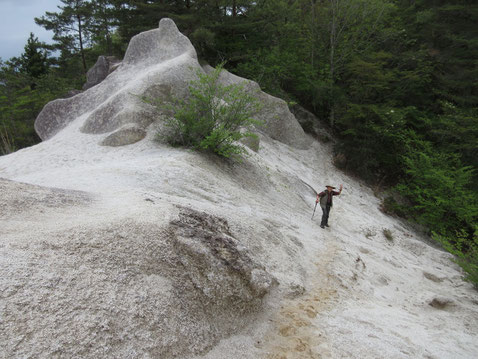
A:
149,251
158,63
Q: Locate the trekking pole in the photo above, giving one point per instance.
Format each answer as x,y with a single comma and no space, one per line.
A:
314,210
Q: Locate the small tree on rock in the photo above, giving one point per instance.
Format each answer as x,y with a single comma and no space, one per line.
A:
215,116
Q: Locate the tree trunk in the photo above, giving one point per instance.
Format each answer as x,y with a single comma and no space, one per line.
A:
80,36
333,42
109,45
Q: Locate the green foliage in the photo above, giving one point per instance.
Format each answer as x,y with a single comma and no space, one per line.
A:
438,186
388,234
465,250
203,40
7,144
390,206
34,60
456,131
448,31
215,116
71,27
20,102
375,138
102,24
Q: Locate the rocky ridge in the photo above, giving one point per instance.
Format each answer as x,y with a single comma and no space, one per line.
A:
118,246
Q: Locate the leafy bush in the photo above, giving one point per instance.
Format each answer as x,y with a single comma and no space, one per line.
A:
203,40
374,137
215,116
7,144
390,206
465,251
437,185
442,198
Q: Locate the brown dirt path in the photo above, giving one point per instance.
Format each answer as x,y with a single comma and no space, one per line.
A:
296,334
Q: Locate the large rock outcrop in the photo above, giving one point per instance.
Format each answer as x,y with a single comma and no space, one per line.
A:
151,251
160,64
121,287
166,56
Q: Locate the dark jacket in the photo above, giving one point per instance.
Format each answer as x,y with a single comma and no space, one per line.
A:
326,197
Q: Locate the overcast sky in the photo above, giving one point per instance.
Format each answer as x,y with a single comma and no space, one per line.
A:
17,21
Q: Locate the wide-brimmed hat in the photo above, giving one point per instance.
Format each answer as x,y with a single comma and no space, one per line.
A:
330,186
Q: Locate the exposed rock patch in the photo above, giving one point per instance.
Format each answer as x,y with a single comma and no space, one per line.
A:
17,198
310,123
102,68
217,263
158,64
124,136
441,303
432,277
160,56
127,288
159,45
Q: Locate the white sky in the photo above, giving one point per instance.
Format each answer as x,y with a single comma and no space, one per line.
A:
17,21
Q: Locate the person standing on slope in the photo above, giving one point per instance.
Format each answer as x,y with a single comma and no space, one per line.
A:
325,198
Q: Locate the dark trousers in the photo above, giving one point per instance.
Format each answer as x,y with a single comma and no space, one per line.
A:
325,215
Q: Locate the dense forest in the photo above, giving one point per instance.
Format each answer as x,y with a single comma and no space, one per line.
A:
394,80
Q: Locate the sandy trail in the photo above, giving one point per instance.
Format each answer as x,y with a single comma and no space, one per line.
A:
295,333
345,292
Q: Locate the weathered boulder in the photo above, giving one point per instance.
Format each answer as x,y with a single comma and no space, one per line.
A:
218,265
440,302
310,123
159,63
159,45
307,119
113,63
97,73
126,135
157,57
102,68
55,116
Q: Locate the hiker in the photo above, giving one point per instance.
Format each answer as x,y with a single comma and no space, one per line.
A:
325,198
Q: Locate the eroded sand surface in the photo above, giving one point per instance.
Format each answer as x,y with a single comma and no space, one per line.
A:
343,292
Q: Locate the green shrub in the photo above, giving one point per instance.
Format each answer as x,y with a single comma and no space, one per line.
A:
7,143
388,234
390,206
442,198
438,186
465,251
203,40
214,118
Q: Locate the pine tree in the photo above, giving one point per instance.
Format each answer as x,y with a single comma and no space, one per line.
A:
34,61
448,32
102,24
71,26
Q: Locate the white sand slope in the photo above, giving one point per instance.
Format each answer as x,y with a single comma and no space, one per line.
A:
105,267
341,294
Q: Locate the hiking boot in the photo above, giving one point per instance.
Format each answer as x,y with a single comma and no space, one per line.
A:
322,226
326,225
